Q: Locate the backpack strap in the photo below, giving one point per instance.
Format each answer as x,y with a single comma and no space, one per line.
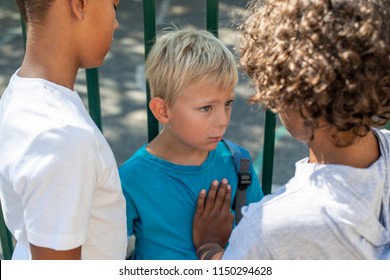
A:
242,165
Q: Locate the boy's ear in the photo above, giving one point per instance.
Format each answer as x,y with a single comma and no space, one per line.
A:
159,108
78,8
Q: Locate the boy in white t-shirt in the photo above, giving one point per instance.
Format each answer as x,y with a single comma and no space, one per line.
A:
60,189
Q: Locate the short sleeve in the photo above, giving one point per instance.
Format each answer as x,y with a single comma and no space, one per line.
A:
55,178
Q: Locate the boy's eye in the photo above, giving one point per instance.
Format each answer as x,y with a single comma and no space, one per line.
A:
229,103
205,108
115,7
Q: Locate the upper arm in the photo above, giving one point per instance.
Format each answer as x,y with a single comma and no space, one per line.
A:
56,180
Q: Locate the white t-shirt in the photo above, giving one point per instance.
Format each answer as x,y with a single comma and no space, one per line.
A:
326,211
59,183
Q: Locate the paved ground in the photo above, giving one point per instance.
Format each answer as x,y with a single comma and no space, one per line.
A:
122,85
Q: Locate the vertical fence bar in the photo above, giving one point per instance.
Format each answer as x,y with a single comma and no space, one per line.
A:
212,16
149,39
268,151
93,91
23,24
6,238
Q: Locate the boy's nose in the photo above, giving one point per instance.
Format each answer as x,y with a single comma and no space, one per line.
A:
223,118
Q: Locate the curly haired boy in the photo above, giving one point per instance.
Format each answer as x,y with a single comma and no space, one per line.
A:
324,67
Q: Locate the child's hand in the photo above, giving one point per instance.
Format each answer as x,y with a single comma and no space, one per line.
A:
213,221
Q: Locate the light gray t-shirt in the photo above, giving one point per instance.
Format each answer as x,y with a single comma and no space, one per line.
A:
324,212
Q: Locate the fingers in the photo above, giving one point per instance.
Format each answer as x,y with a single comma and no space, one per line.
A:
226,203
213,220
201,202
210,201
220,198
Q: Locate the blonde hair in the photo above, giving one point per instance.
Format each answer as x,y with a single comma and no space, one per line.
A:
330,59
181,58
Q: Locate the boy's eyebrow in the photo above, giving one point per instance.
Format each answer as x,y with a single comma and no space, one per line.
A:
212,101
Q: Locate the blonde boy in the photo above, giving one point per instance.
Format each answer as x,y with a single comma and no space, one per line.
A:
192,77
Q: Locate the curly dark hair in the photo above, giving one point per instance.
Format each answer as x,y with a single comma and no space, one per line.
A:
328,59
33,10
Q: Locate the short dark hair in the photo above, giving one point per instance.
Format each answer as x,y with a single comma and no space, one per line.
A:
33,10
329,59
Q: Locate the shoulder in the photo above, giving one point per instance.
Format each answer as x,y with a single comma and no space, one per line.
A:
285,207
223,154
136,165
383,135
137,155
59,148
69,136
56,139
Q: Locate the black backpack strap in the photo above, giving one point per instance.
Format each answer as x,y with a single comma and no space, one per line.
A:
242,164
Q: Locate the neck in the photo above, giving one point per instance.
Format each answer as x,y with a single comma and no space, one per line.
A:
49,56
29,69
360,154
169,148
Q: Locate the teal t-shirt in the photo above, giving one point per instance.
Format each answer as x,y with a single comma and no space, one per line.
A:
161,199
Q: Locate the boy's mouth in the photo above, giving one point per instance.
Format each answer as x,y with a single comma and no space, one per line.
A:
215,139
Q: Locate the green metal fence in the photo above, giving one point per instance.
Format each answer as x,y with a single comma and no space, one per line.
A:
149,7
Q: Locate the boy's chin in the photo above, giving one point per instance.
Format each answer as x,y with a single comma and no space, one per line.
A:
211,146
